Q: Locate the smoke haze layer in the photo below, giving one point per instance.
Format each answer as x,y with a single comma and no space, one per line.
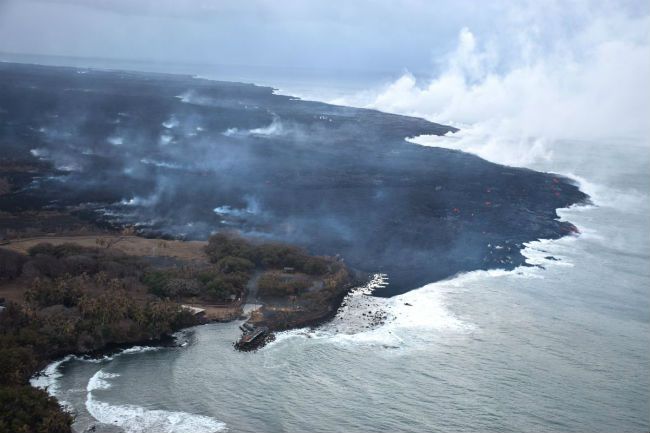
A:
187,157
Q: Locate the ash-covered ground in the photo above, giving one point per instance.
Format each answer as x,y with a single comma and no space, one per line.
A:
186,157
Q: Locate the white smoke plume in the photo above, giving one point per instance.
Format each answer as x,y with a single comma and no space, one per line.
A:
593,83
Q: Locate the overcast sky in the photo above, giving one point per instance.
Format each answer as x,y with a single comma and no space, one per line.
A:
387,35
525,68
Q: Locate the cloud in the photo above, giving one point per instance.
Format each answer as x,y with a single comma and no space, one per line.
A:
318,35
526,70
589,84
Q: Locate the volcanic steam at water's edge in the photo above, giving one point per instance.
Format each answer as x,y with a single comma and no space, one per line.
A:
226,156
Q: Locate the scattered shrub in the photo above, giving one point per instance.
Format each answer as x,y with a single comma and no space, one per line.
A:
223,245
79,264
221,287
44,293
46,266
273,284
156,282
230,264
58,251
315,266
11,264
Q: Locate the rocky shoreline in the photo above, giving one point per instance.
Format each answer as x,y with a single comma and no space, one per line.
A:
297,319
62,299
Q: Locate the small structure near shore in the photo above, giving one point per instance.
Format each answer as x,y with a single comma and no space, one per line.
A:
253,337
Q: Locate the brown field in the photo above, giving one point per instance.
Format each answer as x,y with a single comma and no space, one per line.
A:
132,245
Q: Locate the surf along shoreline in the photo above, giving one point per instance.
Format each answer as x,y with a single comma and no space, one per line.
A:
95,296
282,281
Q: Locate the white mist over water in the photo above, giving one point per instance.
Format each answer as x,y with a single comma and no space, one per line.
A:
512,96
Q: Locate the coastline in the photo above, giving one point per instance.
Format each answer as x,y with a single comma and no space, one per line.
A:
544,193
194,313
168,340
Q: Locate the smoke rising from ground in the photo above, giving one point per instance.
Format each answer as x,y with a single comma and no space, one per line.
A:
125,149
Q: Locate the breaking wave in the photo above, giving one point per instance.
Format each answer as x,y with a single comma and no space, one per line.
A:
136,419
387,322
48,378
422,315
100,381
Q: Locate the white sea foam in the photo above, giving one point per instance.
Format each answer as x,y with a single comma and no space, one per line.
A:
128,351
422,315
401,321
100,380
136,419
140,349
48,378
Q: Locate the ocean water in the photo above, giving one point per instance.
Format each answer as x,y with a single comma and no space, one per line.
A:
560,346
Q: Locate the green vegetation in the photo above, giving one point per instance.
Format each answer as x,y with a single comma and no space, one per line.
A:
275,284
77,300
265,256
234,261
297,289
24,409
208,284
236,258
